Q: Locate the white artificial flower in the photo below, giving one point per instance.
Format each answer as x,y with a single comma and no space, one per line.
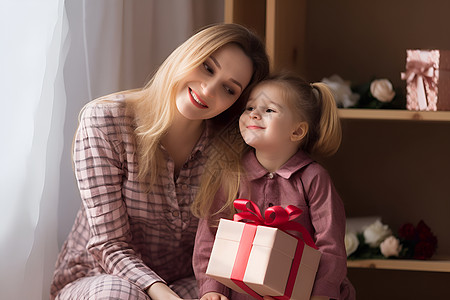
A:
375,233
351,243
341,91
390,246
382,90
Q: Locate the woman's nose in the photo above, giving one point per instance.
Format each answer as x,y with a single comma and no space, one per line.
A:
208,88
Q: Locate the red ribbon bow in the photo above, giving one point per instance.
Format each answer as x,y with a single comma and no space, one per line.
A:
275,216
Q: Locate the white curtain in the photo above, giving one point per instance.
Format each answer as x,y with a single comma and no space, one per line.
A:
55,56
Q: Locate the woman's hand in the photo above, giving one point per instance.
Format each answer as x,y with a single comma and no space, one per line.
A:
213,296
160,291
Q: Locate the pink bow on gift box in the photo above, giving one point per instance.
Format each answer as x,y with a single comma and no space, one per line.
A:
421,72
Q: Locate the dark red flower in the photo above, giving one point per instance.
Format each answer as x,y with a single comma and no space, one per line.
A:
407,231
423,231
424,249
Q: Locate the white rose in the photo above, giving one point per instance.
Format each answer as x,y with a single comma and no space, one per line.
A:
375,233
341,91
390,246
382,90
351,243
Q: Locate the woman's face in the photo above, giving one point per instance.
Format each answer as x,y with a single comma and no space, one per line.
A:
215,85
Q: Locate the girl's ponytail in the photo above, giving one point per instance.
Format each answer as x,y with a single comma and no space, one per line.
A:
329,129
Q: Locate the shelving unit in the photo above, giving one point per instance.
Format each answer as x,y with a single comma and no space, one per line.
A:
378,114
402,264
392,163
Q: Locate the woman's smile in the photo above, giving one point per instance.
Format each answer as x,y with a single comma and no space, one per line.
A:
196,100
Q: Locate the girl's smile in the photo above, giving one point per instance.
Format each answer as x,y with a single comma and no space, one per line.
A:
254,127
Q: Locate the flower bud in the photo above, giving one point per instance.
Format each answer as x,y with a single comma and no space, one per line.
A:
382,90
390,247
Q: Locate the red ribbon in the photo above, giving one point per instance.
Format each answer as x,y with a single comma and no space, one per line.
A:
275,216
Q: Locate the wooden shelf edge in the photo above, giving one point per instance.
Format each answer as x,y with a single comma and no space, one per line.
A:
402,264
394,114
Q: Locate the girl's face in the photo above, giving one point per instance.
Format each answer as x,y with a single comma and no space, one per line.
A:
215,85
268,122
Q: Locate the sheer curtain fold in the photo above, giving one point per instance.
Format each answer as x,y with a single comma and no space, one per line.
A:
55,56
31,120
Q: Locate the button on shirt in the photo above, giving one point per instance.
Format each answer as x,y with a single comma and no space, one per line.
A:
143,237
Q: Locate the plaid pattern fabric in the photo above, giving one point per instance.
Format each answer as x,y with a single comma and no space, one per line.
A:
102,287
186,288
112,287
120,229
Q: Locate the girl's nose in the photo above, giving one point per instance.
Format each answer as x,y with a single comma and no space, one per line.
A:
254,115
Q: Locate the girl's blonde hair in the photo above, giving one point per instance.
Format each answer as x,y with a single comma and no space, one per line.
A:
154,106
315,104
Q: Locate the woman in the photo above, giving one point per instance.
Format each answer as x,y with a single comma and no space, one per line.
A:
139,156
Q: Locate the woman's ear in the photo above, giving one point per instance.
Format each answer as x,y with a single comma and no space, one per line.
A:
299,132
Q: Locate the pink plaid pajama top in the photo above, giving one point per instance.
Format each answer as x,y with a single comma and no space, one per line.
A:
121,229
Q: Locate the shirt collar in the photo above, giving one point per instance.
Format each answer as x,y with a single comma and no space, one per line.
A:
204,139
255,170
202,142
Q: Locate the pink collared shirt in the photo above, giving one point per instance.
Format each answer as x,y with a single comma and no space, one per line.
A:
323,216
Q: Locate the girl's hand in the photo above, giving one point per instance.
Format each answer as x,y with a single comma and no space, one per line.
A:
160,291
213,296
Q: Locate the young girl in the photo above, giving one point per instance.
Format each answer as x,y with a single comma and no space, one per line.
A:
138,157
287,119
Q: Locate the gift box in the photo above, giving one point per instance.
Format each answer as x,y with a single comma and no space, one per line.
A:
427,80
263,260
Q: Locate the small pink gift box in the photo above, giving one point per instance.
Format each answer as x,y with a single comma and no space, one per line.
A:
261,260
427,80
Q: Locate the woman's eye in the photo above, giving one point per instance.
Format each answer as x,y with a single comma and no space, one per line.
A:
208,68
229,90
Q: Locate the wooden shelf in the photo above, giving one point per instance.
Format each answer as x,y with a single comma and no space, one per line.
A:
398,114
390,161
402,264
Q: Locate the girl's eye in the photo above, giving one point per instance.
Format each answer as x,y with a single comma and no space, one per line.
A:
269,110
229,90
249,108
208,68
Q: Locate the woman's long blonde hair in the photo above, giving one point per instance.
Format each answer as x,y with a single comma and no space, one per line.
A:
154,106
